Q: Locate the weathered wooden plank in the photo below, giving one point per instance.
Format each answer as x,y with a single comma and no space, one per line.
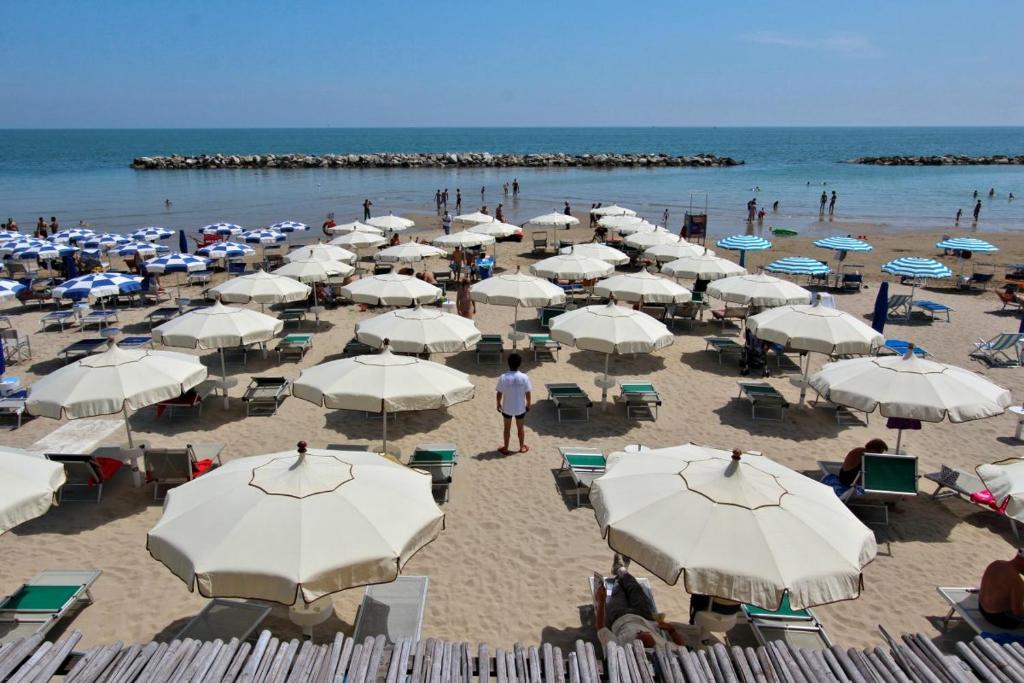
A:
117,674
446,662
15,655
299,662
548,658
436,662
248,671
418,661
760,675
500,665
510,666
1003,664
739,660
280,674
376,654
202,660
219,666
146,674
267,660
456,665
574,668
691,667
595,672
237,662
833,664
849,668
138,664
559,665
483,663
625,673
584,665
979,667
399,661
520,658
346,659
789,665
192,648
331,660
643,662
99,663
724,663
705,665
37,657
883,663
533,664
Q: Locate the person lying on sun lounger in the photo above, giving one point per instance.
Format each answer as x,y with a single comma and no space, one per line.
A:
851,463
1001,596
629,614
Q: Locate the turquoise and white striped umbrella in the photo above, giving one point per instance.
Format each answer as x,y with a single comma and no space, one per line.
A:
143,249
263,236
798,265
744,243
105,240
72,235
843,244
97,285
967,244
289,226
10,288
176,263
152,234
226,250
44,251
917,268
222,229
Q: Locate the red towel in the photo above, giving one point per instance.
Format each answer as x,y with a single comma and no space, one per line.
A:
201,467
107,467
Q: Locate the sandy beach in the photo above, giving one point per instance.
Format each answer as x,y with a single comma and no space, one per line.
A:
513,561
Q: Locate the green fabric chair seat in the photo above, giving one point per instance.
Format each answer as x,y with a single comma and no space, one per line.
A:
40,598
432,457
566,391
638,388
785,610
585,460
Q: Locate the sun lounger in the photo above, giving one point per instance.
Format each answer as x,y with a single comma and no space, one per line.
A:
764,398
900,347
59,318
16,346
798,628
569,396
82,348
393,610
44,600
169,467
540,242
964,606
544,344
193,398
546,314
294,346
954,482
1001,350
584,465
439,459
162,315
347,447
490,345
722,346
726,314
640,398
136,342
933,307
84,473
687,311
885,476
354,347
292,315
225,619
610,585
100,318
198,277
265,394
1010,299
14,404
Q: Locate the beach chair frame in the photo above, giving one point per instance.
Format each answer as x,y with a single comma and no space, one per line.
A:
17,623
264,395
582,474
384,605
766,398
439,460
569,397
225,619
996,351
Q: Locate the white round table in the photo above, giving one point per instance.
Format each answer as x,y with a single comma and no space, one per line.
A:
1018,411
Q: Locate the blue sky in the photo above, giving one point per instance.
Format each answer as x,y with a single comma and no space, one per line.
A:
144,63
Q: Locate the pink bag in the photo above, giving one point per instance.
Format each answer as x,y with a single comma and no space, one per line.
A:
984,497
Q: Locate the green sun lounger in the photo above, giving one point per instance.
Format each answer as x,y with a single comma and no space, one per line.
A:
44,600
797,627
439,459
584,465
641,399
294,346
722,346
764,397
490,346
568,397
544,344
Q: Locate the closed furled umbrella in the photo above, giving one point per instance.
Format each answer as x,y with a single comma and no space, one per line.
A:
97,286
597,251
743,244
222,229
798,265
391,223
354,226
612,210
571,267
289,226
28,486
114,381
218,327
474,218
702,267
644,288
260,527
758,290
516,289
152,234
383,383
911,388
754,532
670,251
419,330
651,238
261,288
391,289
321,252
407,252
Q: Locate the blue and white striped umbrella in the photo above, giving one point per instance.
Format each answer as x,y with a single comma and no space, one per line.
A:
744,243
798,265
143,249
105,240
72,235
177,263
264,236
11,246
10,288
916,267
967,244
222,229
226,250
289,226
843,244
45,252
152,234
97,285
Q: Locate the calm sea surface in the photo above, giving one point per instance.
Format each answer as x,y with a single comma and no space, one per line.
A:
85,175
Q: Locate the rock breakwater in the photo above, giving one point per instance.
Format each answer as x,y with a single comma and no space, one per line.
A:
941,160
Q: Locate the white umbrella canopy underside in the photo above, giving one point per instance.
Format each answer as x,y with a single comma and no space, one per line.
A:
815,328
771,530
419,330
28,485
270,528
216,327
608,328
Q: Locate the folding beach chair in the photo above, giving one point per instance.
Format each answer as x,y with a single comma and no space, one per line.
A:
101,318
933,307
886,477
764,397
193,398
393,610
172,466
540,242
569,397
162,315
583,465
799,628
723,346
641,399
439,459
198,277
14,404
724,315
544,344
964,606
85,474
44,600
15,346
687,312
292,315
490,345
1008,298
294,346
1001,350
899,306
224,619
265,394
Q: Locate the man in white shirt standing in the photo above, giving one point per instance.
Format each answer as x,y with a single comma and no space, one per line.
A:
446,223
514,399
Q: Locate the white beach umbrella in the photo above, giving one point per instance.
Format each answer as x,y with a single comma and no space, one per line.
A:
755,530
617,222
321,252
218,327
703,266
354,226
495,229
261,288
391,289
597,251
612,210
289,226
911,388
814,328
571,267
260,527
671,251
462,239
651,238
358,240
474,218
222,229
28,486
608,329
314,270
407,252
638,227
1005,481
643,287
391,223
516,289
114,381
758,290
419,330
383,383
554,219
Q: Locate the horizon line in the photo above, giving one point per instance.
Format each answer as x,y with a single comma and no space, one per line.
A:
498,127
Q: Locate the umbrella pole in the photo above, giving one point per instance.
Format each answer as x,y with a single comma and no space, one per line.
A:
127,425
604,382
803,385
385,448
515,324
899,438
224,378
